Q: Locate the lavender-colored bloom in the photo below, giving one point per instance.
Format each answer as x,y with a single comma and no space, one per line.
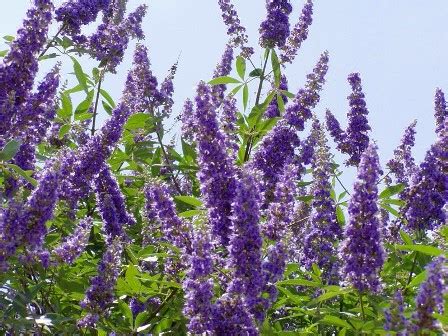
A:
273,111
429,299
394,315
361,251
136,306
273,153
402,165
228,124
298,34
441,112
34,118
11,231
246,242
198,286
100,294
319,245
306,99
75,13
428,191
111,203
233,318
216,170
223,68
236,32
273,268
74,244
187,120
334,128
160,204
20,65
358,125
166,92
275,29
279,213
110,41
308,147
141,93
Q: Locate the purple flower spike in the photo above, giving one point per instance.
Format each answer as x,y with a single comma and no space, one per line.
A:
74,245
429,299
222,69
100,294
306,99
279,213
111,203
217,172
273,153
160,204
324,233
395,319
75,13
275,29
402,165
228,124
298,34
426,197
188,122
362,251
111,40
246,242
19,67
236,32
441,111
334,128
233,318
198,286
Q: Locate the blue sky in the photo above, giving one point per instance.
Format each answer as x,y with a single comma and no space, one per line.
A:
398,46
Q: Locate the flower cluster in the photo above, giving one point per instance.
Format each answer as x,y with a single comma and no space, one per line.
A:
354,140
319,246
361,251
441,111
237,33
395,319
74,244
223,68
306,99
217,172
275,29
402,165
298,34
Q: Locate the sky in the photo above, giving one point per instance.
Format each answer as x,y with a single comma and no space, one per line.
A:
398,46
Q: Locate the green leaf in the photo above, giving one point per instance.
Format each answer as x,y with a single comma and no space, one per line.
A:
223,80
64,130
336,321
245,96
131,278
137,120
189,200
425,249
8,38
280,104
418,279
3,53
107,97
140,319
25,174
276,68
392,190
298,282
406,238
79,73
86,103
241,66
256,73
49,56
83,116
326,296
10,149
67,107
127,312
340,216
190,213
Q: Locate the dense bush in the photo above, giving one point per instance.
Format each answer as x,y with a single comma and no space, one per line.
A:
238,229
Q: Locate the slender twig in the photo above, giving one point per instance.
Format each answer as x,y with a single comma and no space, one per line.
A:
48,46
257,101
411,272
345,189
362,306
162,305
168,164
95,110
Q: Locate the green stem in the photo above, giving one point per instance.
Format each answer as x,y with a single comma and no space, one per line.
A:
362,307
95,110
51,42
257,101
414,263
